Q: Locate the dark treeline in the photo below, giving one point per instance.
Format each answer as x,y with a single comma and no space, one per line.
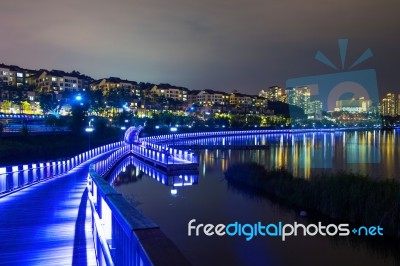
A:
343,196
27,148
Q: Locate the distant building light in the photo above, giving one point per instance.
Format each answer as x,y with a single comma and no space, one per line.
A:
174,129
123,128
174,191
78,98
157,127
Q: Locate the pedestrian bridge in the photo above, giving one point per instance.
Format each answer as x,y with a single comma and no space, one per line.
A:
65,213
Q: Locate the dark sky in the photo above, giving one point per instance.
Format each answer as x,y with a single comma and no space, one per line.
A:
224,45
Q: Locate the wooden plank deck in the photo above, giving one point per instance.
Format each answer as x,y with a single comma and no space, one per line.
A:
49,223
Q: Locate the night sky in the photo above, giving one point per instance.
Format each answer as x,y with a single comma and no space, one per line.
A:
209,44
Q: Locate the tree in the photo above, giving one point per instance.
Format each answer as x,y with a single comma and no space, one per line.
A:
6,106
77,122
47,103
253,120
97,101
26,107
238,121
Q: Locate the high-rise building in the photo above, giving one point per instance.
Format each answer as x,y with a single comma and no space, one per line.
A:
274,94
398,105
388,106
315,110
299,96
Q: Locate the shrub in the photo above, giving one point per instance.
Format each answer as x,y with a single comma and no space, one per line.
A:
345,196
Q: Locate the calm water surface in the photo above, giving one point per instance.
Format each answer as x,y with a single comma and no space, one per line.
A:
208,198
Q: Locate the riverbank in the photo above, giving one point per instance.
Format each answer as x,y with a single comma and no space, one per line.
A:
28,149
348,197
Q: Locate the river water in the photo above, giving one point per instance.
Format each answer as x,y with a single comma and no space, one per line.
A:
208,198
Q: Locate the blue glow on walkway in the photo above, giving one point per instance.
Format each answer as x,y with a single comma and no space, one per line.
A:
49,223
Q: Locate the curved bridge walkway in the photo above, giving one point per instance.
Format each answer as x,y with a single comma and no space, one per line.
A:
49,223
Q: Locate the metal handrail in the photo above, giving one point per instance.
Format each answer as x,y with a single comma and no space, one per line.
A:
14,178
118,228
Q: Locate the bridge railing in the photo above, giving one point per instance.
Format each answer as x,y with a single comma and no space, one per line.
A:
18,176
177,136
122,234
33,128
102,167
163,154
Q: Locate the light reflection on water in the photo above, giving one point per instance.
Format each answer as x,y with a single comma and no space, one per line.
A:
211,200
367,152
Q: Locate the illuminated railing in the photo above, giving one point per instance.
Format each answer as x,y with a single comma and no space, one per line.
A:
102,167
122,234
21,116
180,179
18,176
164,154
172,137
33,129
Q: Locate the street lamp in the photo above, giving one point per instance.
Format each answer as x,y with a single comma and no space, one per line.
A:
174,191
173,129
89,130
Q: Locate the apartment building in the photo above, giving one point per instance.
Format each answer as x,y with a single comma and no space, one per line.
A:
240,99
299,96
14,75
274,94
388,105
170,92
4,75
106,84
208,97
59,81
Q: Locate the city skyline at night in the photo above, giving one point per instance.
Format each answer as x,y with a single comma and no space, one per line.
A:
151,132
203,45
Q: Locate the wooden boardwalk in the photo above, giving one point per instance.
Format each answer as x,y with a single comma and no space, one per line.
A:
49,223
